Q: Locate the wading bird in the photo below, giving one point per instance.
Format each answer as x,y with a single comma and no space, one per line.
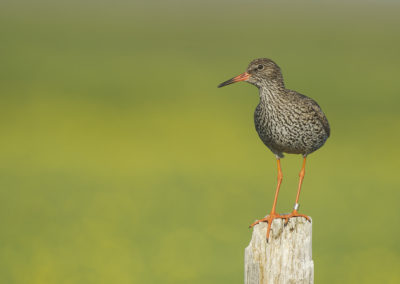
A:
286,121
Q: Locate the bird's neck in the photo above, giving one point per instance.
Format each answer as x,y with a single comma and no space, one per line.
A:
270,94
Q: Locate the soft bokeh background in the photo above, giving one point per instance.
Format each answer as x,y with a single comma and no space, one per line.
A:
121,162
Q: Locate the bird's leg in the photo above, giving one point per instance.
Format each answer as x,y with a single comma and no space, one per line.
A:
296,205
273,215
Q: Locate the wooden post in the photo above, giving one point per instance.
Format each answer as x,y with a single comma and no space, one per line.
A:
286,258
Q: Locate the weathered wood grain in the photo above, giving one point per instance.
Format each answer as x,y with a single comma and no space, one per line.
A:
286,258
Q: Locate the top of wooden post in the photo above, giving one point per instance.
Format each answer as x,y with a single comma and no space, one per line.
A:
286,258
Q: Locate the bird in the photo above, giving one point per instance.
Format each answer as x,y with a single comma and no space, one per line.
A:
286,122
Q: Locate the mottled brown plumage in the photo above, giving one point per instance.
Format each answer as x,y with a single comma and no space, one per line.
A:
286,121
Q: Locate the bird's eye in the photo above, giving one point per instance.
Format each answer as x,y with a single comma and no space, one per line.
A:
260,67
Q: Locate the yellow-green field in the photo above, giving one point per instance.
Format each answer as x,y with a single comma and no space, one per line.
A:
121,162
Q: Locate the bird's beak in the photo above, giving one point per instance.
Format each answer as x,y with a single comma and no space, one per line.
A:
242,77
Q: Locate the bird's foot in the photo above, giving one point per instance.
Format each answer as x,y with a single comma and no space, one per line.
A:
269,219
295,214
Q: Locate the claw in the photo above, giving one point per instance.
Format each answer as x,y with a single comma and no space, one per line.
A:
295,214
269,219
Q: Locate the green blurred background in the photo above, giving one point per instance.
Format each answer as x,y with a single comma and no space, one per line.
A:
121,162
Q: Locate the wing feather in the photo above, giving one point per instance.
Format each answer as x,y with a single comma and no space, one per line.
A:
321,117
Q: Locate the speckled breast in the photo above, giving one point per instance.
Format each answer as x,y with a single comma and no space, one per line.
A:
289,129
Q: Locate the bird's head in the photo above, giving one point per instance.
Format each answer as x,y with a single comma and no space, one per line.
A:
261,72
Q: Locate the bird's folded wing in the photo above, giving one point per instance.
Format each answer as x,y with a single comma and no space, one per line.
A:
321,117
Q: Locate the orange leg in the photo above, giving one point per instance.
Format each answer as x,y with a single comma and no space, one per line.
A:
273,215
296,205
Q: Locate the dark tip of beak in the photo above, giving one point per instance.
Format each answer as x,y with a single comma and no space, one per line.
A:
242,77
230,81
